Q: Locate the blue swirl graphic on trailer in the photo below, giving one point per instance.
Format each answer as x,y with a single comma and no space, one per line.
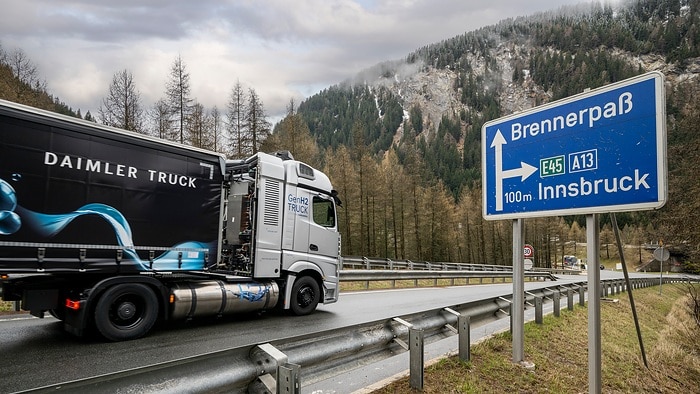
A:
13,216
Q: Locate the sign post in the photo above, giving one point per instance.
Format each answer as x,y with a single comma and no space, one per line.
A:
662,255
603,150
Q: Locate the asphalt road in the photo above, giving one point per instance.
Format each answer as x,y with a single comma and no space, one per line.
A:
37,352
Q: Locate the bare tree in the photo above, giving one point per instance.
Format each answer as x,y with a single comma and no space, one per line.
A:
26,72
122,106
199,128
215,124
162,123
178,96
256,126
235,118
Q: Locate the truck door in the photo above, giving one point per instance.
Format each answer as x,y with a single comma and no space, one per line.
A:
311,224
323,230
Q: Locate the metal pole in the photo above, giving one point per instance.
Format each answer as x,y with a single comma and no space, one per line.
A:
594,342
517,308
613,219
661,268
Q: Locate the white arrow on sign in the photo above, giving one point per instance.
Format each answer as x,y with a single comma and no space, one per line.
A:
523,172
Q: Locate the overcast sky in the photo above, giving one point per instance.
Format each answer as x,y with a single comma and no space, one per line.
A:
281,48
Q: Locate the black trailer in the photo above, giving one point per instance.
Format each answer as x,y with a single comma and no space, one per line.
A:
94,218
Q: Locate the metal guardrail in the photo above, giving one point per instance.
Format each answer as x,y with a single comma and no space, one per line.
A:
395,275
357,262
283,364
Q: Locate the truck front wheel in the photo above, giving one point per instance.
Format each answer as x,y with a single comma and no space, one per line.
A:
305,296
126,311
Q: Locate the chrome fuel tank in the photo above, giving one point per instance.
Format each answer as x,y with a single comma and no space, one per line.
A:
214,298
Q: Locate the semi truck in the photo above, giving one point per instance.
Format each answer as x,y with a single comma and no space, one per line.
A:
112,231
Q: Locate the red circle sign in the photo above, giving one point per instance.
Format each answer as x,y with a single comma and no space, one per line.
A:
528,251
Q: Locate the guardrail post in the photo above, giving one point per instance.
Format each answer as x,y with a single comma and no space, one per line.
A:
605,289
538,310
415,348
581,295
570,299
287,380
463,331
464,327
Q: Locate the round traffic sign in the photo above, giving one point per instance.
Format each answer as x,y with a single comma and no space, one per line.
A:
661,254
528,251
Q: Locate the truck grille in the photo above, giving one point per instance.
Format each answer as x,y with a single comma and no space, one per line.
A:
271,212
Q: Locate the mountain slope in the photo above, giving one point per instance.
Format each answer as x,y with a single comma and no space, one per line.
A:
428,110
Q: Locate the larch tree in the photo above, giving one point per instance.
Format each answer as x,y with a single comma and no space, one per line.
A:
122,106
340,168
216,129
178,97
293,134
235,120
256,126
161,120
198,127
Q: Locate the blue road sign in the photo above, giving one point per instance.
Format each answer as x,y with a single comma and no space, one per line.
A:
600,151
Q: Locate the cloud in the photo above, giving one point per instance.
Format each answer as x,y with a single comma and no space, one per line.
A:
282,49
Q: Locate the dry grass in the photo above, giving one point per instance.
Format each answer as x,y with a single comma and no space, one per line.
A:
559,347
7,306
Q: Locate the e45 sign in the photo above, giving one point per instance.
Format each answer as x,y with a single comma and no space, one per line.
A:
600,151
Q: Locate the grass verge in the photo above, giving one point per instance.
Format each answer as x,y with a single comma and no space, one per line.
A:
7,306
559,350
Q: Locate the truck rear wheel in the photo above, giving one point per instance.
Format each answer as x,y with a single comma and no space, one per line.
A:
126,311
305,296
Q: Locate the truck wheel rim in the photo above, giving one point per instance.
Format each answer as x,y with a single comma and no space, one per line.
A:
306,296
126,311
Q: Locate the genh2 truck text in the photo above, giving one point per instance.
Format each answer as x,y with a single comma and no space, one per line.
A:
111,231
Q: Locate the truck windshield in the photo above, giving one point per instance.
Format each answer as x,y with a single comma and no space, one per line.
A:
323,212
